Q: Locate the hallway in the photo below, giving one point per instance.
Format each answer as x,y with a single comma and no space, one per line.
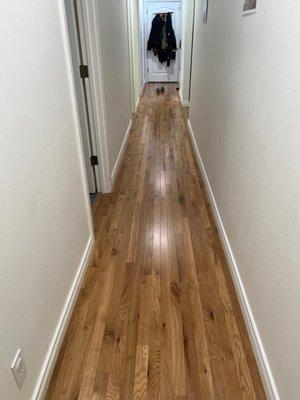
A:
157,316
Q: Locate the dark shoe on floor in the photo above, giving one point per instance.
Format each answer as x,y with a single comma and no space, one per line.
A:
162,89
157,91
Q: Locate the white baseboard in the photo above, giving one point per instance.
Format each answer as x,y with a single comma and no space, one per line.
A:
257,345
139,99
184,103
54,347
121,154
137,104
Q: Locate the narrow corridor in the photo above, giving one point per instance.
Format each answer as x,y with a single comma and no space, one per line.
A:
157,316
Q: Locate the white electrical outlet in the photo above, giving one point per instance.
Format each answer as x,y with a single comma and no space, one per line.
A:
18,369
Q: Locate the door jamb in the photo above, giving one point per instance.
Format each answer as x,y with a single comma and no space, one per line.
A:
142,4
93,49
90,12
130,51
130,25
145,39
86,92
71,79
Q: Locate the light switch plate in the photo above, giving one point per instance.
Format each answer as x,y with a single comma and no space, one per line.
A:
18,368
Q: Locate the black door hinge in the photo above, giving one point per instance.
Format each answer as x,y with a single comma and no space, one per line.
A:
84,71
94,161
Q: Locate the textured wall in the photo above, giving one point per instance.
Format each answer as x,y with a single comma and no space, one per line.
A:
44,220
245,113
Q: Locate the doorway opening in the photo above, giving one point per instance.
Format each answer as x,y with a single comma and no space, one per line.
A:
180,70
158,15
144,64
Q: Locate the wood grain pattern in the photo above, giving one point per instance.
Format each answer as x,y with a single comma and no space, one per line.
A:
141,373
157,316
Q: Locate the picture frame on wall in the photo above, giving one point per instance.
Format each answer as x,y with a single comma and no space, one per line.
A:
249,7
205,11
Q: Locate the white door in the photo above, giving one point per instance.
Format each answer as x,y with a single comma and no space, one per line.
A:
157,72
82,87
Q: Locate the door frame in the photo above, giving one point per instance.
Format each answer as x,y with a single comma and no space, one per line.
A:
143,8
76,32
93,50
131,44
145,35
129,16
187,34
86,83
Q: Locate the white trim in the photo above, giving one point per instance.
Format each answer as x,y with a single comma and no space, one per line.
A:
130,24
140,97
137,103
86,49
121,154
130,50
90,13
142,11
71,78
60,331
73,50
184,103
257,345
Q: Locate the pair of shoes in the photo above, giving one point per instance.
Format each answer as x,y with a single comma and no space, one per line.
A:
160,90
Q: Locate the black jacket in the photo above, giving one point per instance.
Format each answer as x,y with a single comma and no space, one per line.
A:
165,51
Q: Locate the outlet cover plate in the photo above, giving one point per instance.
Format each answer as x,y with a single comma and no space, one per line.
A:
18,369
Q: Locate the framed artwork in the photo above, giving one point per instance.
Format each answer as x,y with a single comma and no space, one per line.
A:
249,6
205,11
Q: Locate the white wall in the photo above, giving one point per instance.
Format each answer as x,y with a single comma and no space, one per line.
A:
245,115
113,34
43,203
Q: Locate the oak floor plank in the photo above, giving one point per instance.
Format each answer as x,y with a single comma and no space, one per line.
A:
141,368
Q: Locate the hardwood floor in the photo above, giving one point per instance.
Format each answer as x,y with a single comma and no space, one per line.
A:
157,316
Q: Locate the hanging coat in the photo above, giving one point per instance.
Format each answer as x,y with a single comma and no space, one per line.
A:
162,39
